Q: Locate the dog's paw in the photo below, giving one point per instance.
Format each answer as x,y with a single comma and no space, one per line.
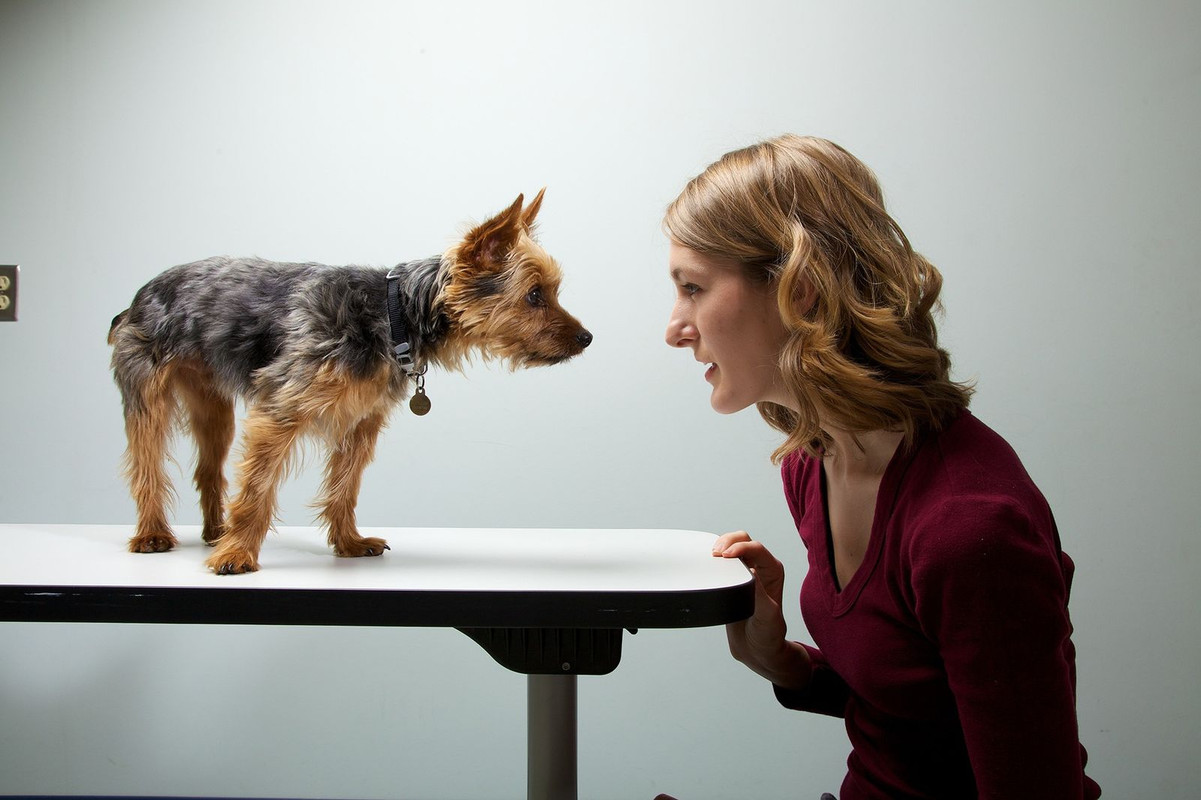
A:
212,533
232,562
356,548
153,542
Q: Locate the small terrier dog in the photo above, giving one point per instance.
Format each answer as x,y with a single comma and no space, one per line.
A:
321,350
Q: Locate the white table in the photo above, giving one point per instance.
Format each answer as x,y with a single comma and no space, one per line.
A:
550,603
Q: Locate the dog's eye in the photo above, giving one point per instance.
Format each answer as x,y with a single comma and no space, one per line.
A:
535,298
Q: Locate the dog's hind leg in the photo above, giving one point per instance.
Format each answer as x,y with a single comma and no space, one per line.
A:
148,421
343,478
268,439
211,419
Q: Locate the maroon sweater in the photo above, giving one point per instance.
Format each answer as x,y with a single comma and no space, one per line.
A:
949,652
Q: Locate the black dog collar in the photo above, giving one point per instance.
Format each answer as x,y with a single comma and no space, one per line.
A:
419,403
400,334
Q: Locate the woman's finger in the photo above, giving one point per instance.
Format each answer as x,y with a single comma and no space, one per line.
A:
751,553
727,539
767,569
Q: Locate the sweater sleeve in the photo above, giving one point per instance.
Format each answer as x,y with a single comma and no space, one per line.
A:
826,693
990,588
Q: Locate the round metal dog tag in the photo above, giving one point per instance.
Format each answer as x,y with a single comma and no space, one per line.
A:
419,404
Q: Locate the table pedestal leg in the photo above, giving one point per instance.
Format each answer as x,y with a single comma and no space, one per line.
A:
551,742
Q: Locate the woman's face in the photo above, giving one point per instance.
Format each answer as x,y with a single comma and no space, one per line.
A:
732,325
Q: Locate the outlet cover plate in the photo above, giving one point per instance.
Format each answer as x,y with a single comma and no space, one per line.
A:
9,274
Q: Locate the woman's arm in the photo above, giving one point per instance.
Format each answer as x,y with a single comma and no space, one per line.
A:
994,597
760,642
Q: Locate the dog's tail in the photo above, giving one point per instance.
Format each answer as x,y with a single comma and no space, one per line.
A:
117,322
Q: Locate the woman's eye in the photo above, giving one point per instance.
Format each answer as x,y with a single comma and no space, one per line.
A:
690,288
534,298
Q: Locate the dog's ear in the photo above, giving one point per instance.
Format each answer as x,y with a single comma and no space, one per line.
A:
531,211
487,245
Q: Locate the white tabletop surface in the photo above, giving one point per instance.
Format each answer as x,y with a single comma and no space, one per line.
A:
422,559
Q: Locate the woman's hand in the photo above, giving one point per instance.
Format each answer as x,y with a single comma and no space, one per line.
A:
761,641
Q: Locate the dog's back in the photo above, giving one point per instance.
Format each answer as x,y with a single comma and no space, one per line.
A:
236,316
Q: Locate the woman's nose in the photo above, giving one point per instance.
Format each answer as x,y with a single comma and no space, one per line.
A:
680,332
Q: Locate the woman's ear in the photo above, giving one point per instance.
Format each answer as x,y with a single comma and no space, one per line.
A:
806,295
796,296
798,290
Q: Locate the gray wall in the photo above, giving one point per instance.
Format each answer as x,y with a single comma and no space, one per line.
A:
1043,154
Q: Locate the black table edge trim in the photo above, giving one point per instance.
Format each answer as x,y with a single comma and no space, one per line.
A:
377,607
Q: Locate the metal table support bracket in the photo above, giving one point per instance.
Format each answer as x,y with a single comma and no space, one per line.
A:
552,651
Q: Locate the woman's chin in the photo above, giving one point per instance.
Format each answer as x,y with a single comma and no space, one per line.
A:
727,405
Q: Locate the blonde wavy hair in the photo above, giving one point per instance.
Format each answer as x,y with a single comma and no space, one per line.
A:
857,301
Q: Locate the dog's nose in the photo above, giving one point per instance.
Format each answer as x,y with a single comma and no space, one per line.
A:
584,338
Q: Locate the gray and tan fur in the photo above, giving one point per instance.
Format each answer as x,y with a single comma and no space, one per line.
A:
308,348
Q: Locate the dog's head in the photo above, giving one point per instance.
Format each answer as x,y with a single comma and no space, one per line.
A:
502,296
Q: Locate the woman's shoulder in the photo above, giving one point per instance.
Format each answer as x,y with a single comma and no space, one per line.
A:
967,493
970,459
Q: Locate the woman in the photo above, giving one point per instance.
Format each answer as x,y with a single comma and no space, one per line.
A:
937,590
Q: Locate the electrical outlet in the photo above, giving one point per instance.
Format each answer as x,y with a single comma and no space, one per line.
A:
8,292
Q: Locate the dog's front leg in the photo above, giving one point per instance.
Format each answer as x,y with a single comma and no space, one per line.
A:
268,440
343,478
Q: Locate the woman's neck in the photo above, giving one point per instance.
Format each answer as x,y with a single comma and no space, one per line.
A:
857,455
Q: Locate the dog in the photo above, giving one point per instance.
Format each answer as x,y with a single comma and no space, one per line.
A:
314,349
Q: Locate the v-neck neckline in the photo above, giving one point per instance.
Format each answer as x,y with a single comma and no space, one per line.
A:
844,599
